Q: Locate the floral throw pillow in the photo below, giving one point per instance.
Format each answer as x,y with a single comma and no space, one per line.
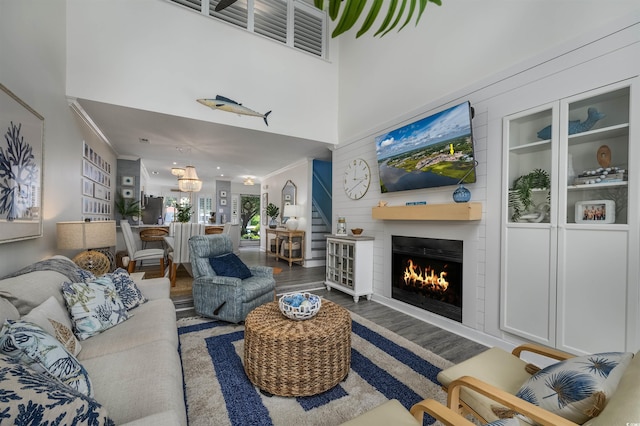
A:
576,389
29,397
34,347
54,319
94,306
127,289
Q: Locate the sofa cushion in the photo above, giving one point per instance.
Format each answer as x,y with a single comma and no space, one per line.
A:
139,382
576,388
129,293
229,265
34,347
155,288
94,306
54,319
7,310
27,291
29,397
153,321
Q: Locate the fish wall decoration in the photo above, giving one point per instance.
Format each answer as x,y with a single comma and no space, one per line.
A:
575,126
229,105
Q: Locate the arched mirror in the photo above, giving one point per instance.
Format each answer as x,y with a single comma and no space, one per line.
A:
288,197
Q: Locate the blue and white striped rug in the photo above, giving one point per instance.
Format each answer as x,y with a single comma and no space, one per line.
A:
383,366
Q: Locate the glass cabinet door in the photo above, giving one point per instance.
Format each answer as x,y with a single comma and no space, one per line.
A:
596,158
531,147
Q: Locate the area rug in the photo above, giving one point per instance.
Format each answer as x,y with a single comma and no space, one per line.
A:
384,366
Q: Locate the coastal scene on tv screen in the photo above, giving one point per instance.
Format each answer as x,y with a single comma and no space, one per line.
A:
434,151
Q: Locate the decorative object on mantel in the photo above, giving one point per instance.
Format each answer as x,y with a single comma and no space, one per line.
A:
273,211
382,203
462,194
575,126
226,104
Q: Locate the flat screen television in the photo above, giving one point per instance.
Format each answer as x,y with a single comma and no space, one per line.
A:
434,151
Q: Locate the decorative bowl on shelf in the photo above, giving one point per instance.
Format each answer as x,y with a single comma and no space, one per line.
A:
357,231
299,306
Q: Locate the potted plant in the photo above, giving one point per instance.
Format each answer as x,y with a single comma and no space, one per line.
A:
520,193
127,208
273,211
184,213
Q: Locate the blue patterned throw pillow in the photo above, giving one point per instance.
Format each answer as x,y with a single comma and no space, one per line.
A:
29,344
229,265
29,397
127,289
577,389
94,306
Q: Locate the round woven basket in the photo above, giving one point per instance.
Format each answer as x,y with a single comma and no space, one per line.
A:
300,312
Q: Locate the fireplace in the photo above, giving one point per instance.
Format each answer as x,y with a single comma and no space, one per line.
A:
427,273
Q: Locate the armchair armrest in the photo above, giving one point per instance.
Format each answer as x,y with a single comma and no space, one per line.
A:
261,271
543,417
541,350
217,280
445,415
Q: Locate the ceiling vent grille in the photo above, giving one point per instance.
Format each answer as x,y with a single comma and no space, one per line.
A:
291,22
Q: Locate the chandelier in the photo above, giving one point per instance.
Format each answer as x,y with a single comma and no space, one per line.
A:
189,181
177,171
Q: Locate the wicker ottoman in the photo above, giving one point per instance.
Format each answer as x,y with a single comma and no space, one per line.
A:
297,358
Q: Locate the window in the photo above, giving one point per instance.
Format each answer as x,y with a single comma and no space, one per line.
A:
292,22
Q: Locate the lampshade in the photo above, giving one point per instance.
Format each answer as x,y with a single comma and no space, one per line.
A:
189,182
292,211
85,235
177,171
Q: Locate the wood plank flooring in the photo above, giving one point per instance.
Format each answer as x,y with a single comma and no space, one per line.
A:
446,344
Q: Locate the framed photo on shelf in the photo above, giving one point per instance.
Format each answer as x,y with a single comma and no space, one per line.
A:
127,180
596,211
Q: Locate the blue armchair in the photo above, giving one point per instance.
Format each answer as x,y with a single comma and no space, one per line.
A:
226,298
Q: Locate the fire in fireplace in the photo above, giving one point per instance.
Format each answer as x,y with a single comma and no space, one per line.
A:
427,273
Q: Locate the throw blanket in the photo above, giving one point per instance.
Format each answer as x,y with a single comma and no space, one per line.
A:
64,266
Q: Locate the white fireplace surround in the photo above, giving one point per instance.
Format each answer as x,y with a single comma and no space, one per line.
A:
468,234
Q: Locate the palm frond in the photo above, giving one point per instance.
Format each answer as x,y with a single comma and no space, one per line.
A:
570,386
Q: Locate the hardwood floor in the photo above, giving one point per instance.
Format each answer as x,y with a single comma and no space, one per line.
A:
446,344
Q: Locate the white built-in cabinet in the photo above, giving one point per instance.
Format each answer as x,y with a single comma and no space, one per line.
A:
569,274
350,265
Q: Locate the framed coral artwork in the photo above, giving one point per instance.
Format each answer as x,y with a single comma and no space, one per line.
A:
21,158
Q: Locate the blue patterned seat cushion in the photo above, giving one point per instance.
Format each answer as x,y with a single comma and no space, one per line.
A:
230,265
94,306
29,344
31,398
577,389
127,289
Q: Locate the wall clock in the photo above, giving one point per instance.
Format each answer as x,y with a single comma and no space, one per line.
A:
357,178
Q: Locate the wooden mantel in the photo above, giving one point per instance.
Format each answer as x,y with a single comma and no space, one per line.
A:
448,211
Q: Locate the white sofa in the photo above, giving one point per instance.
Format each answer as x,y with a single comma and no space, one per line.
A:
134,367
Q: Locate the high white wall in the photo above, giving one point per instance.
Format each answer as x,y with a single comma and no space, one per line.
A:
157,56
453,46
33,46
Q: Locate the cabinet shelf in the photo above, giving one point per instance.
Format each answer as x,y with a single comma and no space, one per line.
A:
596,186
450,211
599,134
531,147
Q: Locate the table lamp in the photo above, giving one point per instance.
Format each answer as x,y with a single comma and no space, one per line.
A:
291,211
88,236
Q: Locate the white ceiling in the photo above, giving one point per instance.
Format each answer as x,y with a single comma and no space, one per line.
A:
236,151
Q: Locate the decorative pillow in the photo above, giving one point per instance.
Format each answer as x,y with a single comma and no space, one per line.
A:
229,265
94,306
32,346
54,319
86,275
127,289
577,388
29,397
